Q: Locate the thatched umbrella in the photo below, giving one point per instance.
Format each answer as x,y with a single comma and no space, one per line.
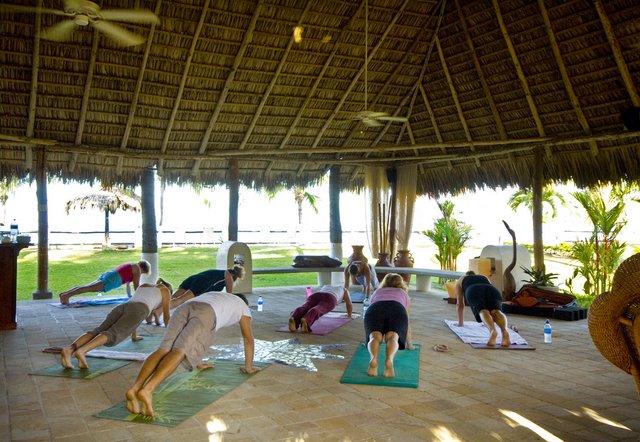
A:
107,200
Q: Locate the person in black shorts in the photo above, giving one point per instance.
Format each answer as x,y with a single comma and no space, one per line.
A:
485,301
213,280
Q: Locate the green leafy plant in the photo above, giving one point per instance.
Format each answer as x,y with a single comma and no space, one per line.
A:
538,277
449,235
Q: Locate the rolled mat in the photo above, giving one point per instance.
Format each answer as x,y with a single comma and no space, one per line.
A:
406,367
183,395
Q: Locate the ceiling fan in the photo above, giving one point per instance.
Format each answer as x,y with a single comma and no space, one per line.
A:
371,118
86,13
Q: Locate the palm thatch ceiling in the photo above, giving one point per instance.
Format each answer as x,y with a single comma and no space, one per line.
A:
483,85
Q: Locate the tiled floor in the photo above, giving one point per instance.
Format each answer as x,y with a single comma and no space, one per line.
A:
560,391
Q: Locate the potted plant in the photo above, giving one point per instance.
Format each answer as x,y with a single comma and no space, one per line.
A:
538,277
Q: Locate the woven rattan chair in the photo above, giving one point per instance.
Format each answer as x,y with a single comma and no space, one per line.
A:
614,319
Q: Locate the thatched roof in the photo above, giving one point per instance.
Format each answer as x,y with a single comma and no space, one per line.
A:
483,83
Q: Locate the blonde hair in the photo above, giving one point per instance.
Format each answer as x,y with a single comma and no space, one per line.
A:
144,266
165,283
394,280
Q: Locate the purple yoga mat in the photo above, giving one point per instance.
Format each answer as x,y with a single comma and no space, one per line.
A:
322,326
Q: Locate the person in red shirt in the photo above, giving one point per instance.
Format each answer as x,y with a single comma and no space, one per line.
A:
127,273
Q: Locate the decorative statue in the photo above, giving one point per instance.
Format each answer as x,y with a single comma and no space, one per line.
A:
508,281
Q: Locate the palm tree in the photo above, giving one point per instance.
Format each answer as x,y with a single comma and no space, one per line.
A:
109,200
7,186
524,197
300,195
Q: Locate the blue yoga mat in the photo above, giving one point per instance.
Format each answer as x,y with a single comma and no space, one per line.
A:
90,302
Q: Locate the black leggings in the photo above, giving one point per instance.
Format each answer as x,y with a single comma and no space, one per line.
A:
387,316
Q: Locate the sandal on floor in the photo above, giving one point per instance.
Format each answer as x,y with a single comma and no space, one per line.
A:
54,350
442,348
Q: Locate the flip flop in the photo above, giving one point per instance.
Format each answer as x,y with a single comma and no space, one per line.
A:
54,350
442,348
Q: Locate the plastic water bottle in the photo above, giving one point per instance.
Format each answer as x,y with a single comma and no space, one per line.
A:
260,303
308,291
365,304
547,332
14,230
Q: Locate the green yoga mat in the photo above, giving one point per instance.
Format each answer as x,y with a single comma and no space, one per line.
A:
406,364
100,366
183,395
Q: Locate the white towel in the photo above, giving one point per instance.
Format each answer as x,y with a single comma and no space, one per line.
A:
477,333
123,355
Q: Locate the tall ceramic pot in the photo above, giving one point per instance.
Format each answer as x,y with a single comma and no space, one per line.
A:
404,259
357,255
383,261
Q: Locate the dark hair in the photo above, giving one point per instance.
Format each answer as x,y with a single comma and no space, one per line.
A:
469,273
165,283
354,269
237,271
144,265
241,296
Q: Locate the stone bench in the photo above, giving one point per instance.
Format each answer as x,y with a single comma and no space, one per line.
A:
423,276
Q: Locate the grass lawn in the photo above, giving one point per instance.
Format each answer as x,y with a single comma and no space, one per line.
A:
71,267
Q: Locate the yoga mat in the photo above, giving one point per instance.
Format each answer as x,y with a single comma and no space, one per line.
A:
406,365
322,326
183,395
121,355
477,335
356,296
97,367
90,302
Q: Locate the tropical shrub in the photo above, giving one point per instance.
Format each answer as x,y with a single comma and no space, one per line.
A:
449,236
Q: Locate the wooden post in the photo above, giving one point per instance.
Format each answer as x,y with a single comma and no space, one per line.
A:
42,292
538,178
234,197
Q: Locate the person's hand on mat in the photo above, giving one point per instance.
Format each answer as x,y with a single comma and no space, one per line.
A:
249,370
137,338
205,365
460,324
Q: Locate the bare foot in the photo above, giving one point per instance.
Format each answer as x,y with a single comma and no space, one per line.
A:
207,365
132,401
492,339
373,367
146,399
389,371
82,360
149,318
292,325
304,328
506,340
65,357
64,299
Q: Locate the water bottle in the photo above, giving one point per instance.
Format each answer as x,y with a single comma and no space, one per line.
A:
547,332
260,303
365,304
14,230
308,291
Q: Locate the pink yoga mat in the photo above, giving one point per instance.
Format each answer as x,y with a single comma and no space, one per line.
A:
324,325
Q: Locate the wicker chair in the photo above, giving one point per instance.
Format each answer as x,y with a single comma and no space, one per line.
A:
614,319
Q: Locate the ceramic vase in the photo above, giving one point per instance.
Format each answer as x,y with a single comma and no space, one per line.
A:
383,261
404,259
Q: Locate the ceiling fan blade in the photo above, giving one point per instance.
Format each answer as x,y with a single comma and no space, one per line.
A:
60,31
398,119
118,33
31,9
130,15
372,122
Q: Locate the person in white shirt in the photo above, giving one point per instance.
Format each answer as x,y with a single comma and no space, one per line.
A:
189,335
122,321
317,304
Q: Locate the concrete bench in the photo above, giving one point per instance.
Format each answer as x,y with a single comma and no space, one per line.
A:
423,276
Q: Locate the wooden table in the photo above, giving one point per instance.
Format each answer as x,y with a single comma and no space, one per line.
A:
8,284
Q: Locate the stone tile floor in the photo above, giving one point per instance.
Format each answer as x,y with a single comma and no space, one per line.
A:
561,391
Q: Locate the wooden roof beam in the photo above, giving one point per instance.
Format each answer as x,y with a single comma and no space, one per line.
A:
136,92
523,80
248,36
85,97
483,81
312,91
33,94
357,76
273,81
573,98
617,54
